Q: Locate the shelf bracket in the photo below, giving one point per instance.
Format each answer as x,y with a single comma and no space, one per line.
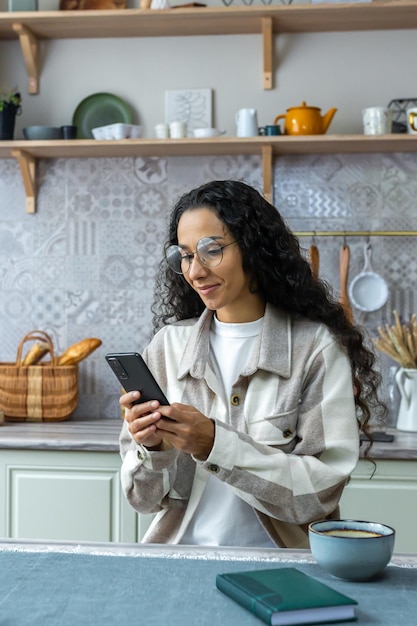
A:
267,38
30,49
267,171
27,165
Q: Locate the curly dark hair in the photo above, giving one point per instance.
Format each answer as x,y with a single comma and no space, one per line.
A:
273,261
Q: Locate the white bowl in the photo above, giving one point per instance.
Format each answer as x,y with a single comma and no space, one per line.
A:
100,132
351,549
207,132
117,131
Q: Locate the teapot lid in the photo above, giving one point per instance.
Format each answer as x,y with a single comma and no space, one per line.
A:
304,106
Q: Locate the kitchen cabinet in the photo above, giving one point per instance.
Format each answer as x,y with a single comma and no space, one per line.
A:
61,481
65,495
389,496
33,27
76,496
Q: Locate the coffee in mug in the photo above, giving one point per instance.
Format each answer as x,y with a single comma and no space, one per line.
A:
350,532
377,121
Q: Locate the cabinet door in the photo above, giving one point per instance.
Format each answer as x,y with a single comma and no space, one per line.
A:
144,521
72,496
388,497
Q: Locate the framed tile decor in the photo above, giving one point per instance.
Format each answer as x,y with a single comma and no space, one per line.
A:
193,106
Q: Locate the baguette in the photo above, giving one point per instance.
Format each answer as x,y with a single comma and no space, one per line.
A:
79,351
35,354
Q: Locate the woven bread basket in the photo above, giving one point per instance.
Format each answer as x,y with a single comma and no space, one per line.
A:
44,392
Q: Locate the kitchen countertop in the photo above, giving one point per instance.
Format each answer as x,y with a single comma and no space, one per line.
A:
92,435
102,435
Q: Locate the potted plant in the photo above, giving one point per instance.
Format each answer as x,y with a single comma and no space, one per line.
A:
10,101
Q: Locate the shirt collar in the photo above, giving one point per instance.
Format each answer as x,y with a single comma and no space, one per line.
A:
272,355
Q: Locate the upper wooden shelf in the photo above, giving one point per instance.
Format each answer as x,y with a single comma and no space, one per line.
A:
34,26
300,18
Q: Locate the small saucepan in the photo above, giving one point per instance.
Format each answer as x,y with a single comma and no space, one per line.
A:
368,291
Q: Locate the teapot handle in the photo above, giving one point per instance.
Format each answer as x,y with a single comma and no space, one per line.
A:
279,117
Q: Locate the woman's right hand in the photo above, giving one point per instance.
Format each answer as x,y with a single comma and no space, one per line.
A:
141,419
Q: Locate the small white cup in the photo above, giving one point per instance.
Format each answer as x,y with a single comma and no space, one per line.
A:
377,121
178,130
412,121
162,131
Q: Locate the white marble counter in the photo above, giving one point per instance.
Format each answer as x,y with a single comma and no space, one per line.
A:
91,435
102,435
403,447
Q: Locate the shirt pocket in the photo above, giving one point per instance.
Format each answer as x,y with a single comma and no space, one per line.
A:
276,430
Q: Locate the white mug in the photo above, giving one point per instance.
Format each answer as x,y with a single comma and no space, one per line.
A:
162,131
377,121
178,130
247,123
412,121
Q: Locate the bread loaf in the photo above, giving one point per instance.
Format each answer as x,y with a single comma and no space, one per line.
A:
37,351
79,351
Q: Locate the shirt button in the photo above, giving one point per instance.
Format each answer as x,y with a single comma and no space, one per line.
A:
214,468
235,400
287,433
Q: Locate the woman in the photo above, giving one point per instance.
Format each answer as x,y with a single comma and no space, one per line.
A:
269,383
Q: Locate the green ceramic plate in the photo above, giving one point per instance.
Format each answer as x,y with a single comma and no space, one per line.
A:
100,109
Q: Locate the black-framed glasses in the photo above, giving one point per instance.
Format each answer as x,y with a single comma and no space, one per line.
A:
208,251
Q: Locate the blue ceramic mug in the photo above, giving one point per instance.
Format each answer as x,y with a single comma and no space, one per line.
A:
271,129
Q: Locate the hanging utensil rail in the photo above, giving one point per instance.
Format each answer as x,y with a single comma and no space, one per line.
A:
356,233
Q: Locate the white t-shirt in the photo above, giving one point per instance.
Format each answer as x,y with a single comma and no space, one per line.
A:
221,517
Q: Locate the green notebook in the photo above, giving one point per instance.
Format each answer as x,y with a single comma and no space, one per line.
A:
286,596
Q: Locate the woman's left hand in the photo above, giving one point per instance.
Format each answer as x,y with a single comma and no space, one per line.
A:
191,431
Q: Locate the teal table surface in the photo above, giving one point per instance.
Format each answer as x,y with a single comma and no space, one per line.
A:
65,584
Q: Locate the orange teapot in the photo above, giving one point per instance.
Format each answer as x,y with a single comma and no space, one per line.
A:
305,120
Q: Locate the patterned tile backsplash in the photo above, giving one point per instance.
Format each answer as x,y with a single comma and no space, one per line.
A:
84,264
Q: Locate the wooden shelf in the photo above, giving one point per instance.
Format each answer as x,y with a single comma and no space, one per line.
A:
27,152
32,27
299,18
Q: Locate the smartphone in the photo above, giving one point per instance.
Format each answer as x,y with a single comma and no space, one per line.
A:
134,375
378,436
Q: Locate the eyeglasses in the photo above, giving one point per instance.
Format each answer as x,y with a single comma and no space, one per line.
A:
208,251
